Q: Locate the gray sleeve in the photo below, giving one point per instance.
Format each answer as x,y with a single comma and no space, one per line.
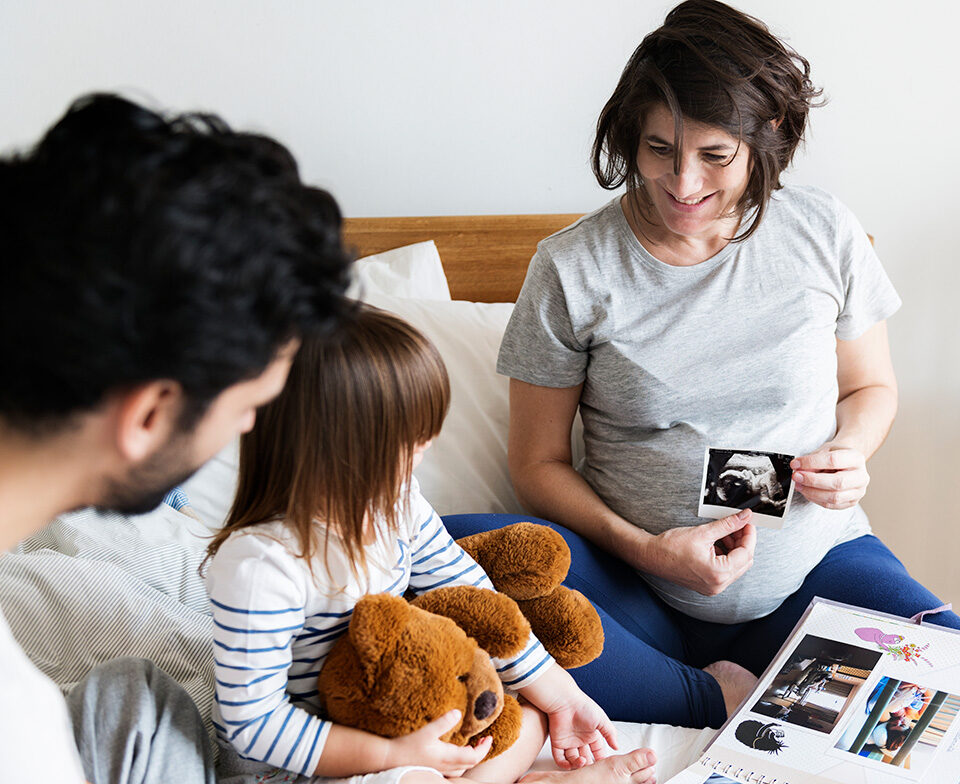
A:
868,294
540,344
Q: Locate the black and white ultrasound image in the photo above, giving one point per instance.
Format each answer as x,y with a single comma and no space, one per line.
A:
744,479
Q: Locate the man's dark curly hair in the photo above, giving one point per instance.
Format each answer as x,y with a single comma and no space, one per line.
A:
135,247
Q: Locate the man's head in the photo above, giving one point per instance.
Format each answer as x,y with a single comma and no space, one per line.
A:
156,273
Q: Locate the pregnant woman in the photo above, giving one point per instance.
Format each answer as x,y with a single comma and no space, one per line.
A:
706,304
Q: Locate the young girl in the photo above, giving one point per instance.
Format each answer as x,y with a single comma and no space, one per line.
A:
326,511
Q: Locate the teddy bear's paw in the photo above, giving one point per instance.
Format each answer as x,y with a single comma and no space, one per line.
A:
505,730
567,625
524,560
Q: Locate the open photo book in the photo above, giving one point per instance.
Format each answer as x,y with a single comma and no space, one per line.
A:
853,696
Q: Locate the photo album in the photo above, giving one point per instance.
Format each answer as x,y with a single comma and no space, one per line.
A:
853,696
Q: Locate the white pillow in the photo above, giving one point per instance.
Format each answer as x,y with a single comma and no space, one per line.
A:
466,468
212,488
410,271
465,471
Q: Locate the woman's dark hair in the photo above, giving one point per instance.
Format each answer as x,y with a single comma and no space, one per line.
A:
712,64
337,444
136,247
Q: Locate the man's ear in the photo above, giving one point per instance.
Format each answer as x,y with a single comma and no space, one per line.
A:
146,418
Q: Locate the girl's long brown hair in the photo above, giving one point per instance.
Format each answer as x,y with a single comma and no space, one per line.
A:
336,446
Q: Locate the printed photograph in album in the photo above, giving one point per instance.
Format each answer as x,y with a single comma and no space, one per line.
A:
901,723
817,684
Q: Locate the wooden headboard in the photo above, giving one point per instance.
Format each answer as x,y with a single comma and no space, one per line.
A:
485,257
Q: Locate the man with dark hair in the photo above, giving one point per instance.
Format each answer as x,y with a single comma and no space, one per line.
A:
156,276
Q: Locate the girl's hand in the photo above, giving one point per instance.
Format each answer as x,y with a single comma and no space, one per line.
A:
579,733
834,476
579,729
705,558
424,747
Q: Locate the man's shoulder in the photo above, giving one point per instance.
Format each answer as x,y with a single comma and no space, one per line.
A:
34,727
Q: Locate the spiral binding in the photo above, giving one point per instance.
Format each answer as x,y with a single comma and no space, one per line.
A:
741,774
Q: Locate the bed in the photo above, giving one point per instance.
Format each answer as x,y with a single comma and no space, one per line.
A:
93,586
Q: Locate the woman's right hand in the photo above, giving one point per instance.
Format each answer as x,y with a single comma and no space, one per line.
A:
705,558
424,747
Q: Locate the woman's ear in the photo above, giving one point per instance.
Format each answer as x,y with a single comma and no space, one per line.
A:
147,417
776,122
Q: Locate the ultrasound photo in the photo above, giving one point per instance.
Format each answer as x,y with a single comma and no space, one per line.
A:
735,479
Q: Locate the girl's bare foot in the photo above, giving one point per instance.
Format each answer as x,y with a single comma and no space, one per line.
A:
735,682
633,768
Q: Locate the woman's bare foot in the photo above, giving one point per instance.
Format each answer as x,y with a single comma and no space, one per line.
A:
633,768
735,682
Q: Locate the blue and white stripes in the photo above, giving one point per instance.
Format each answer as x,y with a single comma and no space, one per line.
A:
258,601
275,622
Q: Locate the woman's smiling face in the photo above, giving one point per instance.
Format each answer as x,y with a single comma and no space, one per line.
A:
700,201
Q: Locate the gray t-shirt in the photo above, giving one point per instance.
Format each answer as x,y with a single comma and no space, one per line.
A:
738,351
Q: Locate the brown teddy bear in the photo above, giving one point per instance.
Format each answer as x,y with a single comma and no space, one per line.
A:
528,563
401,665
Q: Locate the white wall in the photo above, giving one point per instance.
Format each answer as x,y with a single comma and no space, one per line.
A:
452,107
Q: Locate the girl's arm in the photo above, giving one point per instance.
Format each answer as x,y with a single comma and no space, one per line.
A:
351,752
546,484
835,475
257,594
579,729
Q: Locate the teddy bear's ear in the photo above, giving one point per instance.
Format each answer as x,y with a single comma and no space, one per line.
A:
523,560
492,619
376,624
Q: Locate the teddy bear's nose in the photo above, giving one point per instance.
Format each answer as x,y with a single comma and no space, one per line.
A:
485,705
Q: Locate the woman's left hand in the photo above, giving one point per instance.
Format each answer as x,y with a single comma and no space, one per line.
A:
834,476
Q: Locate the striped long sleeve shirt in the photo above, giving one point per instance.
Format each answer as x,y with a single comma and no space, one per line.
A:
275,622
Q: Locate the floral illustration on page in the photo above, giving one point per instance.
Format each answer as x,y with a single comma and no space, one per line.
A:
894,645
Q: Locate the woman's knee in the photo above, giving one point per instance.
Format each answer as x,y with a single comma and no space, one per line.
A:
864,572
592,570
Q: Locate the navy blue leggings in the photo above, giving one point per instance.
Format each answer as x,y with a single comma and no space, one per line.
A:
649,670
